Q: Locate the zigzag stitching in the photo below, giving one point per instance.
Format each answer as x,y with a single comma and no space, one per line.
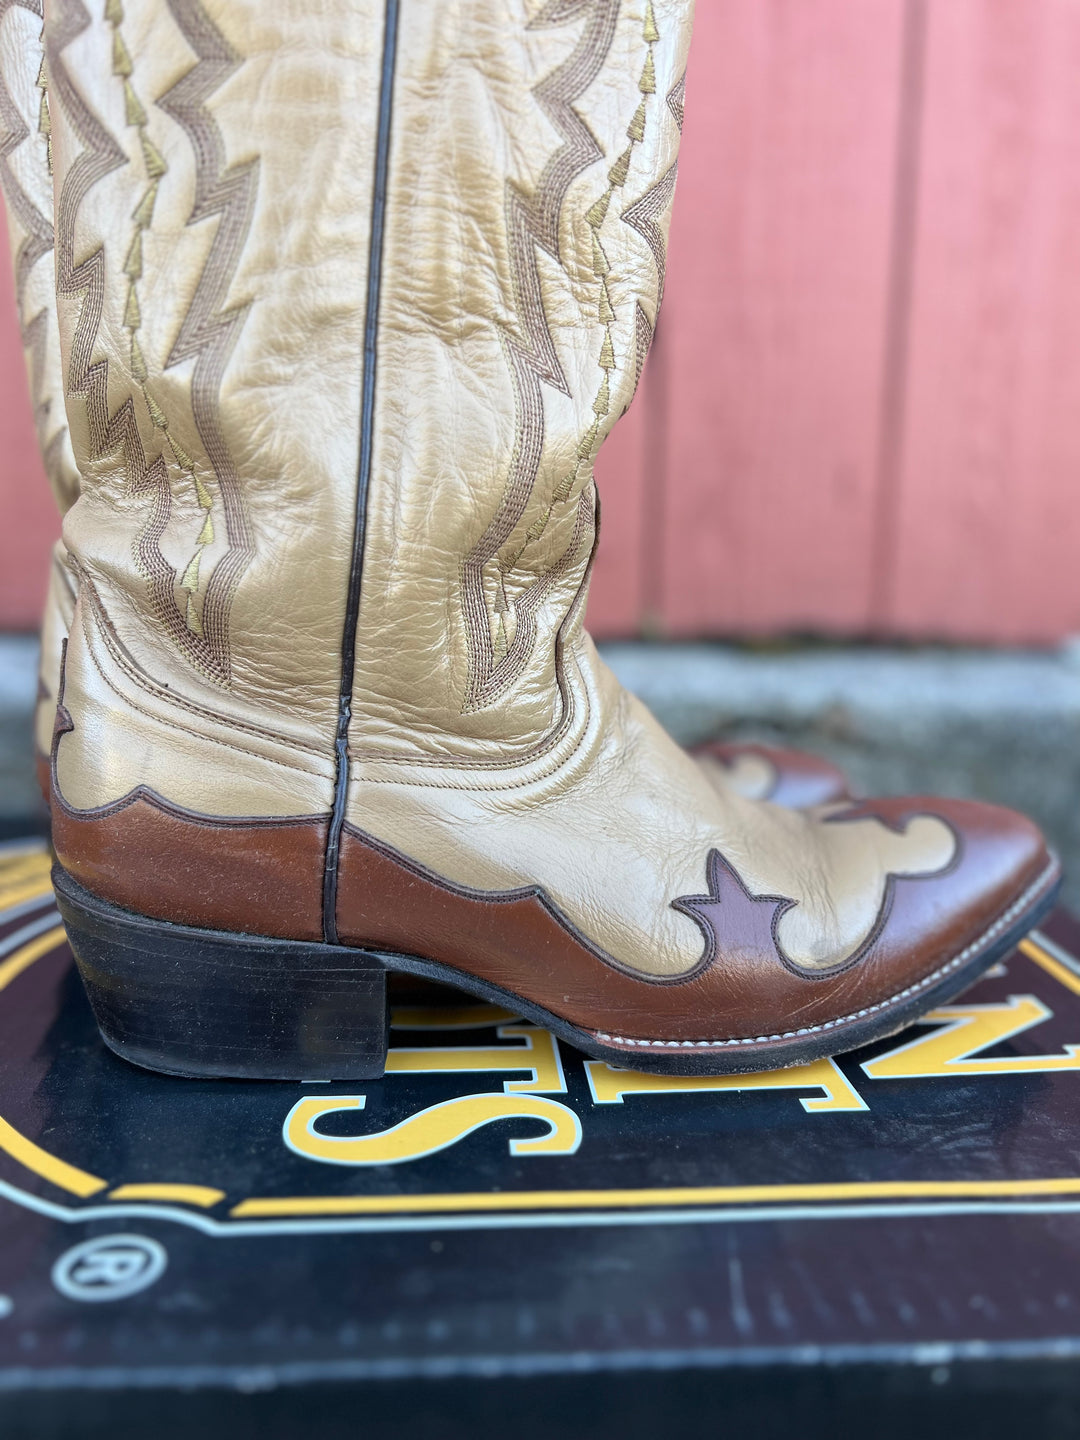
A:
39,234
641,216
89,378
37,244
208,332
532,225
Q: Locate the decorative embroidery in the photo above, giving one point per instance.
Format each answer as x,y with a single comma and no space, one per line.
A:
605,312
202,639
676,100
643,216
497,660
37,243
142,216
210,328
44,118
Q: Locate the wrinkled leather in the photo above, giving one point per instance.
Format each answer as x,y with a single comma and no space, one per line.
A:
28,205
269,324
28,197
791,778
531,165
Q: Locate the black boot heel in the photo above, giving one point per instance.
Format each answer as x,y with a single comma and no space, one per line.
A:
206,1003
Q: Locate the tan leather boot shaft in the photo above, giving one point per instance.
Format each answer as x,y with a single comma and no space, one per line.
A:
209,333
25,175
26,180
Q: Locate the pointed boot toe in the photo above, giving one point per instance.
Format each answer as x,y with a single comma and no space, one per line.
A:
774,1002
953,920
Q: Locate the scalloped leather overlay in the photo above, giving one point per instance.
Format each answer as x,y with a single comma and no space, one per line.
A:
731,918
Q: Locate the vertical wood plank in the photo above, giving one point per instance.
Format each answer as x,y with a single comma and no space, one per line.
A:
988,512
30,522
776,313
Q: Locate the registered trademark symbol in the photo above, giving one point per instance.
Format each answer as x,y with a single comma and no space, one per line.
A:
109,1267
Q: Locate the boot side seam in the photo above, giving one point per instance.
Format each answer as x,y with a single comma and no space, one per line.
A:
369,361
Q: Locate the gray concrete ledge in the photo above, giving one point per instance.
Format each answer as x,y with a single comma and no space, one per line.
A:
996,725
18,687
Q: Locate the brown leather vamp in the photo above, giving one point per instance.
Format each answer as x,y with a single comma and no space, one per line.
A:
518,941
261,877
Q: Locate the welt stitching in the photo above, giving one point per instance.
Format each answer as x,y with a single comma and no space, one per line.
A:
1000,924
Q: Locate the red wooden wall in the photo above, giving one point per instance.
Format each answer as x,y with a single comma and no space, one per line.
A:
862,413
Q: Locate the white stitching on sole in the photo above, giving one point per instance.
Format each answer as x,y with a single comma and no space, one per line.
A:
1001,923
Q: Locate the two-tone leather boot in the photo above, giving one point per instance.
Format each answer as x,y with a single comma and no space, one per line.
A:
348,303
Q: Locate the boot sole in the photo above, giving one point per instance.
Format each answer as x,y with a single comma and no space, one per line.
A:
211,1004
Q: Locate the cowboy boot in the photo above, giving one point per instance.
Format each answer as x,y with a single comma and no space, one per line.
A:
348,303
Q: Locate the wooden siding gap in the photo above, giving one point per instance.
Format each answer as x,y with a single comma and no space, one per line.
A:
894,373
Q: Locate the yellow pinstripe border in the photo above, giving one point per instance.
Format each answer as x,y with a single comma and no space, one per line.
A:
1061,973
636,1199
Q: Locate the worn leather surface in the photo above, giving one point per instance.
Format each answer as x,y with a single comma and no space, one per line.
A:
55,629
792,778
28,204
213,220
249,331
264,878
